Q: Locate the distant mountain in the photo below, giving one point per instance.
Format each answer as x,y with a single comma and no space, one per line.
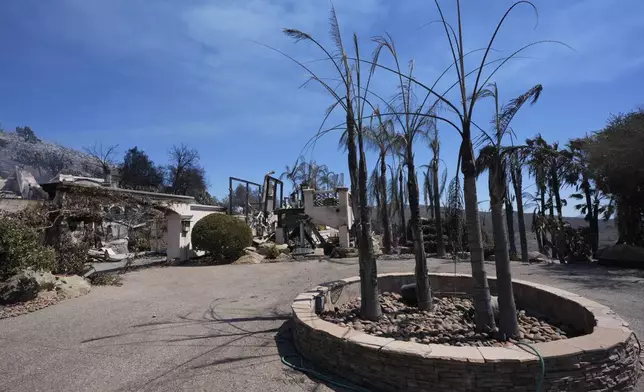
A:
607,229
43,159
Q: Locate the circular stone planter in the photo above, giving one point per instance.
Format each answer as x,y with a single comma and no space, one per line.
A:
605,359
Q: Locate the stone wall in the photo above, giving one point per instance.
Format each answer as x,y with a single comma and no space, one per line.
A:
606,359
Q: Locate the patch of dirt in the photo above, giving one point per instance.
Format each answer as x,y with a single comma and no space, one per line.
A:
451,322
44,299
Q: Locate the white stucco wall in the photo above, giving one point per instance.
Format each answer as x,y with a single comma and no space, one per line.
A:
179,243
339,217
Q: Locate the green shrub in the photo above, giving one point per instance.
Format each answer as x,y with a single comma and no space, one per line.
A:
273,252
71,258
21,248
224,237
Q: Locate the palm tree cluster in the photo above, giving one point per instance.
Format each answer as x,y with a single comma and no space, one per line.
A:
310,174
394,128
553,169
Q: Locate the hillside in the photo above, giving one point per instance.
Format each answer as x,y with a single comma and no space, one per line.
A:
607,230
43,159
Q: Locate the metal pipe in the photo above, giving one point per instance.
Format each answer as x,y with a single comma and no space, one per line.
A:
230,195
246,203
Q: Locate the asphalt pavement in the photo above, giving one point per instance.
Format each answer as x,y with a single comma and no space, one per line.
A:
220,328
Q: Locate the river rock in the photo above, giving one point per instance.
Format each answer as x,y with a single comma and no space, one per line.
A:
408,293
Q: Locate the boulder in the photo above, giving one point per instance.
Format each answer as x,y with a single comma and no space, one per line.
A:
281,257
536,257
19,288
263,248
72,286
118,246
408,294
46,280
621,255
249,257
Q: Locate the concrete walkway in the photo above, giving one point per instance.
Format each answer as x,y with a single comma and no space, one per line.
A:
114,266
216,328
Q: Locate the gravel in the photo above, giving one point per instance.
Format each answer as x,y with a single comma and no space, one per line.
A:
451,322
44,299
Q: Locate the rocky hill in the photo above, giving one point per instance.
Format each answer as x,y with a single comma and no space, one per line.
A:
43,159
607,229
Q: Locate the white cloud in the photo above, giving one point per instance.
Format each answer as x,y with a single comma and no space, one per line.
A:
602,34
207,46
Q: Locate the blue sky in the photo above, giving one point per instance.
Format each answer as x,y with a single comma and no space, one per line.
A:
156,73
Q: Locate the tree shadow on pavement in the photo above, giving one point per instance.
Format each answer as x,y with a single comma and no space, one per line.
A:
243,343
287,350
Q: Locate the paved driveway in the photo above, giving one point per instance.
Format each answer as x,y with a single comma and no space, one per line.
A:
216,328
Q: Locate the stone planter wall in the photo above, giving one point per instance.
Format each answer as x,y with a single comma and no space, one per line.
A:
606,359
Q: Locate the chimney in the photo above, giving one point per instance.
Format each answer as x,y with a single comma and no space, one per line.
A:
112,178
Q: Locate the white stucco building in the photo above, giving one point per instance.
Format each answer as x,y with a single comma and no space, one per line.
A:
181,213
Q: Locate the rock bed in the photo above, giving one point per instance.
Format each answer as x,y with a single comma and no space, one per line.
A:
44,299
451,322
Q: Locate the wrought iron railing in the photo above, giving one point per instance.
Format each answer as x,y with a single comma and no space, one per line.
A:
326,199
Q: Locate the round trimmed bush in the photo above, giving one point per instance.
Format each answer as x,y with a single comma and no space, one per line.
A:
223,237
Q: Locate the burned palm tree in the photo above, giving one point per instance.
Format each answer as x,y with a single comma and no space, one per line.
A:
436,190
515,169
351,100
411,127
380,139
463,109
548,167
494,158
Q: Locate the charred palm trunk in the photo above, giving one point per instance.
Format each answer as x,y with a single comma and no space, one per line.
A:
369,305
508,324
509,217
432,208
440,243
544,240
553,235
594,229
482,301
558,238
591,217
353,167
517,182
423,290
557,194
403,220
386,241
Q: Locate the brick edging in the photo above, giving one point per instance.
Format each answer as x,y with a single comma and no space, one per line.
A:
606,359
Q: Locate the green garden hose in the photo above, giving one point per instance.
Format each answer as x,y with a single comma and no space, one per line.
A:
541,362
356,388
320,376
